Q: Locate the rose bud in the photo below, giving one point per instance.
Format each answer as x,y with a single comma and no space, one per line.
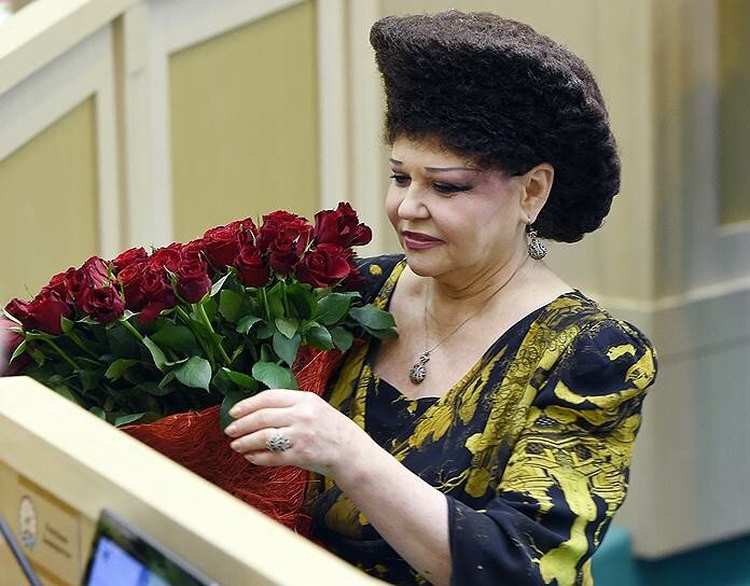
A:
193,281
282,256
19,309
251,269
131,278
104,304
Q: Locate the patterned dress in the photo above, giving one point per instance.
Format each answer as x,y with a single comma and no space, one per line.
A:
531,447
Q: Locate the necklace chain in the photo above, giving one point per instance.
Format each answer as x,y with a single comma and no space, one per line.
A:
418,371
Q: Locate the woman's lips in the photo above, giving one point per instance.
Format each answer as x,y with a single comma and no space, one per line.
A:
419,241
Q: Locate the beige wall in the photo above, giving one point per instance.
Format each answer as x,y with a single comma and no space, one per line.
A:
734,124
48,204
244,123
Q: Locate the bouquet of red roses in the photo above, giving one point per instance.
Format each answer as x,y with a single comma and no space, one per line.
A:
207,323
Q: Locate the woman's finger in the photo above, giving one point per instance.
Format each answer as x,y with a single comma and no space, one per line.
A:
257,420
273,440
267,398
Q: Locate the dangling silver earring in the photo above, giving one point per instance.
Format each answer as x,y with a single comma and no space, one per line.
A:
537,249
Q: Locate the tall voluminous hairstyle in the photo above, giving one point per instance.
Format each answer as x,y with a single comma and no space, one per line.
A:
507,98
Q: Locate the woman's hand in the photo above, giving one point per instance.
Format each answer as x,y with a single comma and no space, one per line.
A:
320,437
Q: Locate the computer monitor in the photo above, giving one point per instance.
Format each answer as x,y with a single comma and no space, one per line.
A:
122,555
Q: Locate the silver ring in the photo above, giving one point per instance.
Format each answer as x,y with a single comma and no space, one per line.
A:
278,443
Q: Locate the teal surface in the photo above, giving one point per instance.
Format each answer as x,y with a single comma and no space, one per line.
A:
720,564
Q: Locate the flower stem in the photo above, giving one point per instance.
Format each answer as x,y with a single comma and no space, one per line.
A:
189,323
62,353
132,330
77,341
201,310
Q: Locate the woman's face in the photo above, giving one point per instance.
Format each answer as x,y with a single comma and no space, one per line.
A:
453,220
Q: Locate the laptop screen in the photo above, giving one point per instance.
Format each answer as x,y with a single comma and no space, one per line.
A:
122,555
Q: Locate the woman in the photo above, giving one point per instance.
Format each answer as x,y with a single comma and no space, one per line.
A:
490,442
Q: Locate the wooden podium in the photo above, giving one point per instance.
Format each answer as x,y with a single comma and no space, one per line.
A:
60,465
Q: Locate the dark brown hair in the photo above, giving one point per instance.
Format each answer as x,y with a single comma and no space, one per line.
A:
508,98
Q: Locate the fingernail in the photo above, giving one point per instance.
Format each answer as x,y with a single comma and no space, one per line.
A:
234,412
230,429
235,446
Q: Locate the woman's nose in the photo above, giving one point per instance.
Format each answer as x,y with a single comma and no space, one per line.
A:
413,205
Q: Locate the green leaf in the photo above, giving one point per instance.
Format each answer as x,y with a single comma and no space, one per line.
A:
160,360
287,326
119,367
159,389
230,305
121,420
332,308
99,412
179,339
18,351
247,322
121,342
265,331
286,348
67,325
342,338
90,379
230,400
274,376
275,300
302,299
195,373
163,387
216,287
372,318
242,380
320,337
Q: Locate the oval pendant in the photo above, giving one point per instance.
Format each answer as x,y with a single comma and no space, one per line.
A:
418,373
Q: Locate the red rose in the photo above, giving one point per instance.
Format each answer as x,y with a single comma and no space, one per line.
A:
221,245
19,309
130,278
46,310
325,265
104,304
246,230
167,257
283,256
158,294
92,274
283,226
59,284
251,269
9,341
341,226
129,257
193,281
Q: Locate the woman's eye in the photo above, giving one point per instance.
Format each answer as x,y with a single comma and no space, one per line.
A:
450,188
400,179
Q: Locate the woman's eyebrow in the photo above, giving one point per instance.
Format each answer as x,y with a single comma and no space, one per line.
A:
398,163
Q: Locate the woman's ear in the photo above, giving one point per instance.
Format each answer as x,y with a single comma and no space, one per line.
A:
537,183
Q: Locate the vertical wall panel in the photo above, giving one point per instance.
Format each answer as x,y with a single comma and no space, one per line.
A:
734,124
48,194
244,123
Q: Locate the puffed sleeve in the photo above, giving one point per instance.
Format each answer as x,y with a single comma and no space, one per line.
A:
568,471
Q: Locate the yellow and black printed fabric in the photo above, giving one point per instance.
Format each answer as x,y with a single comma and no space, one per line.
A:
531,447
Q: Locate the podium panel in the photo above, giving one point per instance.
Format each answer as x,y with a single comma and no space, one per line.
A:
60,466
